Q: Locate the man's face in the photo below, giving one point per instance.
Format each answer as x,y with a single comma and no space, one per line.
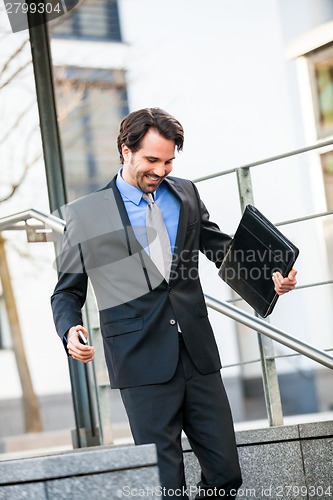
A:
147,168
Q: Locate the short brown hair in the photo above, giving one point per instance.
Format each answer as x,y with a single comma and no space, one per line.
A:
134,127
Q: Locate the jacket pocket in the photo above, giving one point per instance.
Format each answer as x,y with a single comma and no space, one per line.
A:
113,328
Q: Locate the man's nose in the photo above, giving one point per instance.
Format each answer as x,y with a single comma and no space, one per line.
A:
159,169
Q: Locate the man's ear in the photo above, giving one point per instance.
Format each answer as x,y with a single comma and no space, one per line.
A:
126,152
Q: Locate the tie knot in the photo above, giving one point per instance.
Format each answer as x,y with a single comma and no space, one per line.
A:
148,197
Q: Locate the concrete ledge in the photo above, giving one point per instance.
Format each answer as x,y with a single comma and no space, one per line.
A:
100,472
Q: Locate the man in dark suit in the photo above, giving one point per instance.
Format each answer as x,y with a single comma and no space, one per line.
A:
159,346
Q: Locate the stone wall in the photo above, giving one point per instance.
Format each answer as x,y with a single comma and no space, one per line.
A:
294,461
89,474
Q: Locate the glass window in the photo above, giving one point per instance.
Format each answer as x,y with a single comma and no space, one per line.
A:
91,103
327,165
324,75
90,20
321,72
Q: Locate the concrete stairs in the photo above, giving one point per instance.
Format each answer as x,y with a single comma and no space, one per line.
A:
293,461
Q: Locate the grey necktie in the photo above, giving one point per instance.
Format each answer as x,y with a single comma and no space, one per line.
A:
158,240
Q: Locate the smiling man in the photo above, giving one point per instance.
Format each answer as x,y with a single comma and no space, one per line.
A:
159,346
148,167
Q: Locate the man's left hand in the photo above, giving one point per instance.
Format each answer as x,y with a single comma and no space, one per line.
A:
283,285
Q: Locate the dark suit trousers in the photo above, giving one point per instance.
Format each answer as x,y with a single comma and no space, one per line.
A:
198,405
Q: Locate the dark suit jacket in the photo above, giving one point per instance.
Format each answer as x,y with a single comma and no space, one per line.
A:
139,310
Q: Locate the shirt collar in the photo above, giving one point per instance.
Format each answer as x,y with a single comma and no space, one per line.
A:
130,192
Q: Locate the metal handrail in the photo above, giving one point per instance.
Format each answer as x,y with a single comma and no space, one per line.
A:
271,159
50,221
270,331
305,218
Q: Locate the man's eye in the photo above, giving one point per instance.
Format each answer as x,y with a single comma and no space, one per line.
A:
151,160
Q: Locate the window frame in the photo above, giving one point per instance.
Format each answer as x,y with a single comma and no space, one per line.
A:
73,16
313,58
90,79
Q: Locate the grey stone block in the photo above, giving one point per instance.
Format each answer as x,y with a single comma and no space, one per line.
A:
270,434
34,491
318,466
192,472
186,445
316,429
269,469
114,485
78,462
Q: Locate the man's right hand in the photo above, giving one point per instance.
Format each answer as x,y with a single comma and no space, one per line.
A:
76,349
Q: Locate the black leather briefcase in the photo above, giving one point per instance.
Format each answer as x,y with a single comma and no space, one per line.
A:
257,250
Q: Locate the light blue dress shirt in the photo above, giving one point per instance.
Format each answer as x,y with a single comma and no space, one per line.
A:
167,202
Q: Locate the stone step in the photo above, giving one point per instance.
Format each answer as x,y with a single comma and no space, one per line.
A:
291,461
89,474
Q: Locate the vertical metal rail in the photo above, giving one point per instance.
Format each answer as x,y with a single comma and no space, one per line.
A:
86,432
266,346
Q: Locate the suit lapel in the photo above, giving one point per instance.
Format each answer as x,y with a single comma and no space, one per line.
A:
183,219
118,217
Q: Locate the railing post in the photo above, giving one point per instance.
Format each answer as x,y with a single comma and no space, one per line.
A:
266,346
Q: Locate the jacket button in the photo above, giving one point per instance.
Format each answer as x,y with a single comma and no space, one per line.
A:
172,321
